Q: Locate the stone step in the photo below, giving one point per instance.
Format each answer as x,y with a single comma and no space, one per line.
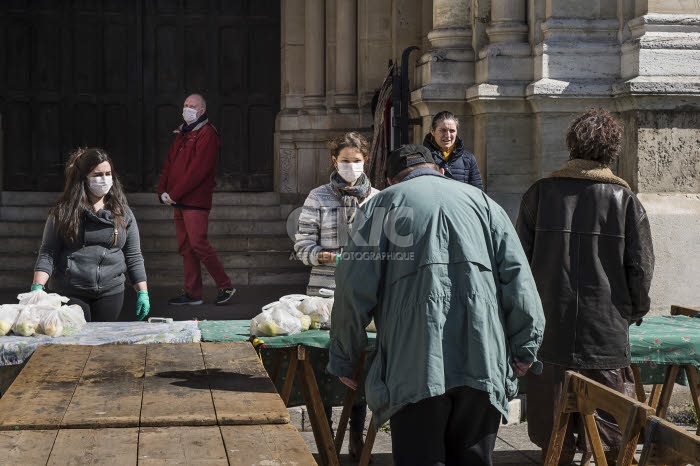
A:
17,198
174,277
241,260
153,212
169,261
221,244
164,228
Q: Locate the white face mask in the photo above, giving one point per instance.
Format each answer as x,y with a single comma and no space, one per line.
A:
100,185
189,115
350,171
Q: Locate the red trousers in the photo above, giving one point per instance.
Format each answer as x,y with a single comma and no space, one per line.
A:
191,227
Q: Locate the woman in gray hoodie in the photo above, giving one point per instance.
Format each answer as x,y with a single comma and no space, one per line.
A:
91,239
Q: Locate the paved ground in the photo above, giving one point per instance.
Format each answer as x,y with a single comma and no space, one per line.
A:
512,448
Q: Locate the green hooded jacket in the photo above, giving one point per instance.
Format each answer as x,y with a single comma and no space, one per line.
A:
441,269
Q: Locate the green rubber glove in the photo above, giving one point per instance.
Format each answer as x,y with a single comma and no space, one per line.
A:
36,286
143,304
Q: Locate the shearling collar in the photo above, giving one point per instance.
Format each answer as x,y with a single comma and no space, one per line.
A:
588,170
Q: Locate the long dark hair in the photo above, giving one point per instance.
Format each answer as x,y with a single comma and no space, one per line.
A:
74,203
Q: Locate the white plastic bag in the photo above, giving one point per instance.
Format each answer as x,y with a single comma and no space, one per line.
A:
72,318
275,321
27,321
8,317
41,297
319,310
51,323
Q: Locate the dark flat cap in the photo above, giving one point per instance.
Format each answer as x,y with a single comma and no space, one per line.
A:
407,156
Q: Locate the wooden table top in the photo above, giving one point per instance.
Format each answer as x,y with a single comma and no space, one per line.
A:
244,445
162,385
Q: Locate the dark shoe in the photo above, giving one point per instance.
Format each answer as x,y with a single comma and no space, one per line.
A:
224,295
356,445
185,298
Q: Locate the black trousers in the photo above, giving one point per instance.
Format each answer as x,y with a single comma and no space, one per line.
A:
101,309
457,428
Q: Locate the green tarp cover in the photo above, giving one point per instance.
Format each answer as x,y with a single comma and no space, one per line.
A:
239,330
664,340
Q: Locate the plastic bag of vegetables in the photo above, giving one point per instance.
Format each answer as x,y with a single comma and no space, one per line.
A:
72,319
27,322
276,319
41,297
8,316
319,310
51,323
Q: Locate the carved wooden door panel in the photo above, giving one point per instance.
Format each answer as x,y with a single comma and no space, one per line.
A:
114,74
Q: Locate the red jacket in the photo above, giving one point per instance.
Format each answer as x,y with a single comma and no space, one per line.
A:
189,172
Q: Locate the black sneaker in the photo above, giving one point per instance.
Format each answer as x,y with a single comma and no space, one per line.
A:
224,295
185,298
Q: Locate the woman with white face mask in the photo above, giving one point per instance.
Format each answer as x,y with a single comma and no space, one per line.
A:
90,240
324,225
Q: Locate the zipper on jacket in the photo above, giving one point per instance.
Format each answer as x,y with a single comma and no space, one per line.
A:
116,235
99,268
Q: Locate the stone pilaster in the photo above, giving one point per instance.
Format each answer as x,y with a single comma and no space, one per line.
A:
346,56
503,142
315,56
292,56
446,71
659,102
576,64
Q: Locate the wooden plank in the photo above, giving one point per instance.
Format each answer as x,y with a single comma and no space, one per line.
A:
667,390
176,390
666,443
317,416
240,387
184,445
25,447
277,444
366,456
41,393
89,447
110,389
694,383
347,405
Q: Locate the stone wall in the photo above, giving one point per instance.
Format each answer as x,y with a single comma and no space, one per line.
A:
515,72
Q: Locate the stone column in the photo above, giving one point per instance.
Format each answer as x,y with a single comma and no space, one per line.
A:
503,140
346,55
659,103
315,48
446,71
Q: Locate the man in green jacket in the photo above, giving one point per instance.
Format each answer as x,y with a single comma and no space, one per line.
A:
440,268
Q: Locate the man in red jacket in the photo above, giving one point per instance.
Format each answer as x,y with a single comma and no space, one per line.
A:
187,184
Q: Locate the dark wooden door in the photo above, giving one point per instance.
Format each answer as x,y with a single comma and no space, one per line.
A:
114,73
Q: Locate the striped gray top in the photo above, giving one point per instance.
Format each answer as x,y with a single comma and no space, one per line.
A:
318,231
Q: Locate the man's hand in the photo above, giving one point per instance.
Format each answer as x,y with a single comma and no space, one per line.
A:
519,367
351,384
165,197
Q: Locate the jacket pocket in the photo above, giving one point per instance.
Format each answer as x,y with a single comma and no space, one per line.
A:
80,272
376,391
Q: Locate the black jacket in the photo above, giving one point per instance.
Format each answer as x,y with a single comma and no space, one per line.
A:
94,264
589,245
461,164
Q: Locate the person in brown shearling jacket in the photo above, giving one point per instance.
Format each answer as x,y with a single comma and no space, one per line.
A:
588,241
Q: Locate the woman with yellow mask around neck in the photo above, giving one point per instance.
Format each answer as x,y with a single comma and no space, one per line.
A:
448,150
